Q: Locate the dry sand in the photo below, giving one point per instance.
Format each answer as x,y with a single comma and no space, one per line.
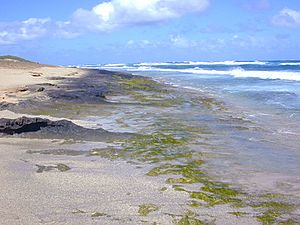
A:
15,76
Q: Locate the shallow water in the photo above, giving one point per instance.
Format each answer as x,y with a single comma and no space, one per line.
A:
257,136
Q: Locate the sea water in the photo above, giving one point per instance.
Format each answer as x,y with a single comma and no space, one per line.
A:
267,93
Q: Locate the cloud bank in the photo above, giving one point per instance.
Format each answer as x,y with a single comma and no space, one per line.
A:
24,30
119,13
287,18
106,16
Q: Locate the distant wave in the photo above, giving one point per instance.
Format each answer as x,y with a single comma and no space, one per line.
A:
91,65
237,72
114,65
282,75
187,63
290,64
108,66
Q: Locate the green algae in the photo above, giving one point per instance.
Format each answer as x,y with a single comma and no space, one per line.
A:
182,180
42,168
276,206
238,214
163,189
146,209
158,139
187,171
214,193
186,220
140,83
289,222
78,211
273,211
221,191
149,92
197,162
108,153
208,102
178,188
270,195
189,219
269,217
213,200
239,205
98,214
60,167
167,148
154,100
195,204
157,147
160,147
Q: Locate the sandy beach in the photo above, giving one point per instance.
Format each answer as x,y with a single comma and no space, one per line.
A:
110,148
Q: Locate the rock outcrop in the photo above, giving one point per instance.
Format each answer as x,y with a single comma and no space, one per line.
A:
62,129
24,124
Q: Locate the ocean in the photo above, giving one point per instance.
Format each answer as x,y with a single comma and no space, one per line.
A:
263,95
265,83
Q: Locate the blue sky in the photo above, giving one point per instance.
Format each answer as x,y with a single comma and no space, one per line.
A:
120,31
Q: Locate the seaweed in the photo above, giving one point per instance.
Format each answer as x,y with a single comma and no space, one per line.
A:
189,219
146,209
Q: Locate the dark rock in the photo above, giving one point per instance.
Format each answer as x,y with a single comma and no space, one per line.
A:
62,129
23,89
40,89
60,167
23,124
48,84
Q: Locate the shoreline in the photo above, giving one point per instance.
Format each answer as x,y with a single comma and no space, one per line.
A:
158,160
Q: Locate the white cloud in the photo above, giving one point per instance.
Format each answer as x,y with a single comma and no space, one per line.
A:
119,13
105,16
24,30
182,42
287,17
142,43
33,28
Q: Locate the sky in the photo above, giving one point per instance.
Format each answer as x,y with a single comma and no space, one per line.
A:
69,32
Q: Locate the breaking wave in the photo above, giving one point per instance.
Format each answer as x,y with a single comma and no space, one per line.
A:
192,63
236,72
290,64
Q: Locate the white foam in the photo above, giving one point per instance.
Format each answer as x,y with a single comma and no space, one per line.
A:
237,72
91,65
114,65
290,64
282,75
119,67
192,63
230,63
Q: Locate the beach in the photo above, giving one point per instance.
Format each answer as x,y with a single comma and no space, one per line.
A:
91,146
